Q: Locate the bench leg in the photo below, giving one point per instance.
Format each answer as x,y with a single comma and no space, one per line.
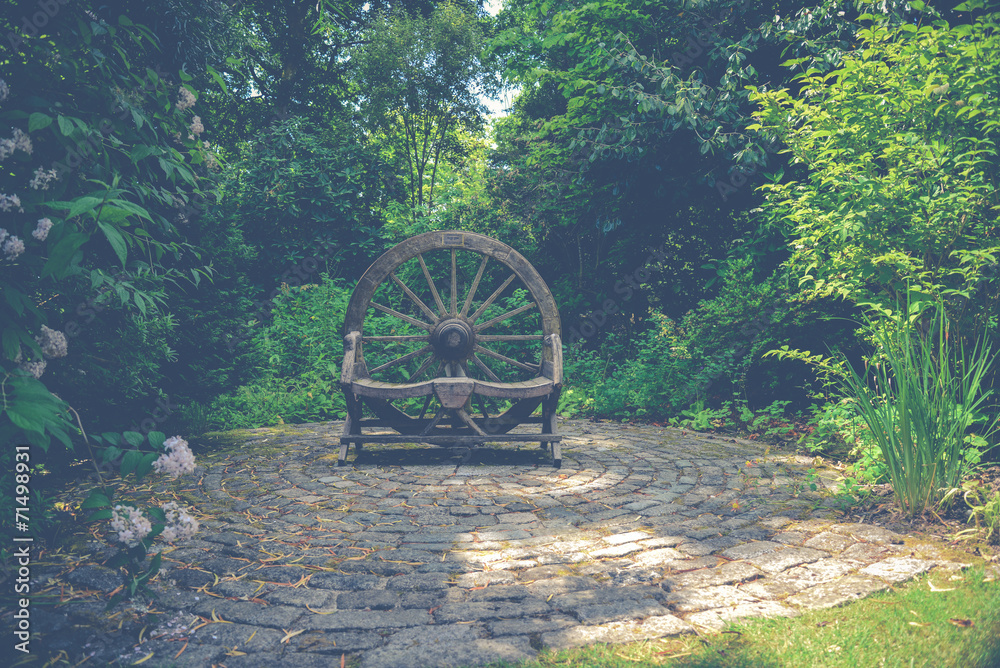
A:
352,427
549,406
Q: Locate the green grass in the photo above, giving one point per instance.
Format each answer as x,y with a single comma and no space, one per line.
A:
911,625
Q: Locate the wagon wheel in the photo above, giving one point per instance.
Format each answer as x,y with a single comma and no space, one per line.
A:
451,305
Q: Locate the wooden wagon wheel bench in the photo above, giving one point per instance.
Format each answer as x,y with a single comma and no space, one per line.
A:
446,366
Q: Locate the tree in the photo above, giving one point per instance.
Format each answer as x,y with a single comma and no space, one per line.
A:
894,154
418,80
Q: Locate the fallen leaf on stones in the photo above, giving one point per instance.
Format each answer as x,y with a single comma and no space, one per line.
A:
235,652
179,652
964,623
145,658
318,612
217,619
291,634
933,588
252,635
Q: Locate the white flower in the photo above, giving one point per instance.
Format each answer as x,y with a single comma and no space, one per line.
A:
130,524
186,99
52,343
22,140
178,458
36,369
8,202
196,127
41,230
6,147
180,525
13,247
42,178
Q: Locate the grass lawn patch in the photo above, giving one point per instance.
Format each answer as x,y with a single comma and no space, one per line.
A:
940,619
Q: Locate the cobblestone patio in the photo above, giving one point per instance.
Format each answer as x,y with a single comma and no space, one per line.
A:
430,557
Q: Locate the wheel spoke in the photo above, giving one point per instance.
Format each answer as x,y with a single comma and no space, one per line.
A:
503,358
430,284
485,369
405,358
505,316
454,285
496,293
416,300
407,337
509,337
423,367
475,286
402,316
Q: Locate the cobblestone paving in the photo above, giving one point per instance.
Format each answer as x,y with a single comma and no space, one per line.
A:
414,557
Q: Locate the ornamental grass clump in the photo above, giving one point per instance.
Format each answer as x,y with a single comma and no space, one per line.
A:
921,397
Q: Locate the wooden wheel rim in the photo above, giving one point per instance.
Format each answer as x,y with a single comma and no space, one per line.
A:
388,262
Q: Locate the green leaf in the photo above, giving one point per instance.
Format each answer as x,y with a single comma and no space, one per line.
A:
82,205
146,465
96,500
131,459
97,515
133,438
65,125
37,121
156,439
60,259
116,240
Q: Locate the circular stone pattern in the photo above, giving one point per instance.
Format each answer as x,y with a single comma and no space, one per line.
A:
423,557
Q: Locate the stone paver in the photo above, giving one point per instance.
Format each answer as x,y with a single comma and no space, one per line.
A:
429,557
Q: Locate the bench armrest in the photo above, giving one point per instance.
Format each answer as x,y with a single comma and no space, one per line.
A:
347,369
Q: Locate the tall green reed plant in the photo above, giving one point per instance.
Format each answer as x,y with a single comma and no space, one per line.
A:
920,396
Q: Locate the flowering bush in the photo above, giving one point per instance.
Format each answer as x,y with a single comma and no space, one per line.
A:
134,529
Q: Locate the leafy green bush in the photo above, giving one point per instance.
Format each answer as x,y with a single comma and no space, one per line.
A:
302,350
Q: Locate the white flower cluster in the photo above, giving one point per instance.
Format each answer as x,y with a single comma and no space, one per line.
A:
186,99
180,525
12,247
8,202
42,178
52,342
196,127
130,524
41,230
178,458
21,140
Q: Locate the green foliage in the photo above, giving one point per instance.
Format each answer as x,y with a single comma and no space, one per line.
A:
418,76
925,396
104,165
302,349
896,150
295,185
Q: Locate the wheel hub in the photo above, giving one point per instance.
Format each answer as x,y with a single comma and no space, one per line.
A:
452,339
